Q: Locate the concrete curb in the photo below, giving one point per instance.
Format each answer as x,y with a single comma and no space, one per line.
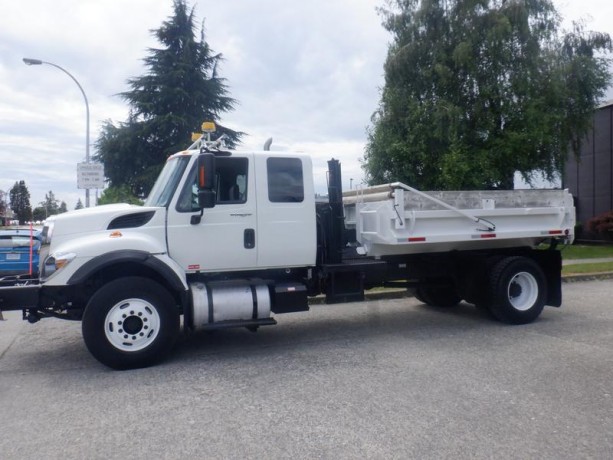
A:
587,277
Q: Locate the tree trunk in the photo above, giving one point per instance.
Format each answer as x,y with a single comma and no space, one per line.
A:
508,183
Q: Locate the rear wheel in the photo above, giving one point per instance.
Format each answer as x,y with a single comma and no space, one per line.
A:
518,290
130,322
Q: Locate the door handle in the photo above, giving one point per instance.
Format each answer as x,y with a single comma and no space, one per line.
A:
249,238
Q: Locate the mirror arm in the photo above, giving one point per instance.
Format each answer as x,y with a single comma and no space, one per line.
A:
195,220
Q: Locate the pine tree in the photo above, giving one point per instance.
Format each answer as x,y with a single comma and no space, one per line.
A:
2,202
49,207
180,90
20,202
477,90
51,204
79,204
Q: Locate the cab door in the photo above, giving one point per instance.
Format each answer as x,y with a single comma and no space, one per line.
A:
225,238
286,211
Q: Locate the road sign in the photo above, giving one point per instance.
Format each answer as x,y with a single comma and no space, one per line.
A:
90,175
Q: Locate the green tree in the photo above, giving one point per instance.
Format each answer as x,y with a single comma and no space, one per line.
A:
49,207
51,204
476,90
2,202
79,204
20,202
39,214
118,195
180,90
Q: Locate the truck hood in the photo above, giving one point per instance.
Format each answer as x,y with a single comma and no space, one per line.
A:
99,218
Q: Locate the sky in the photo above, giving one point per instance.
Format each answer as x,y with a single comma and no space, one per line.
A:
307,74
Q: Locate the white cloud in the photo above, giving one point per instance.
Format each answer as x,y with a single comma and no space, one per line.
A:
306,73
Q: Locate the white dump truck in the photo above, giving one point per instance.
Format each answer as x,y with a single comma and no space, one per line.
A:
230,239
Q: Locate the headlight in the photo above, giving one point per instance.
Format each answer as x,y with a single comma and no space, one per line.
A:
56,262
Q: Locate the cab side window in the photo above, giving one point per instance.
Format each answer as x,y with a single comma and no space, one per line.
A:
231,180
230,184
285,180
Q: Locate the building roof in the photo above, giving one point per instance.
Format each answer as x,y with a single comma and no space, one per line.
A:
605,104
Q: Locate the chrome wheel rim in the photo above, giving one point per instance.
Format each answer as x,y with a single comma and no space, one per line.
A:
523,291
132,324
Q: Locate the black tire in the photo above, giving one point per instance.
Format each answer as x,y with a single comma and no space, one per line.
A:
130,323
419,295
518,290
444,297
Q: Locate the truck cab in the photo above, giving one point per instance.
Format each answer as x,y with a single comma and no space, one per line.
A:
264,204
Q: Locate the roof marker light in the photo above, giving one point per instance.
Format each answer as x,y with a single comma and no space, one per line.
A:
208,127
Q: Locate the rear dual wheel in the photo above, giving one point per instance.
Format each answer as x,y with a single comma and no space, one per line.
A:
518,290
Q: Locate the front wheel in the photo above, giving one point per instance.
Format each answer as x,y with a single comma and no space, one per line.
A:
518,289
130,322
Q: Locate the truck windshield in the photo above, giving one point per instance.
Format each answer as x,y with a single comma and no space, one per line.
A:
167,182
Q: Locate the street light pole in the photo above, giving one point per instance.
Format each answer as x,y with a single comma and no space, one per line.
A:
29,61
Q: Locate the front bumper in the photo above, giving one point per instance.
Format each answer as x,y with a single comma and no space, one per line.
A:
19,297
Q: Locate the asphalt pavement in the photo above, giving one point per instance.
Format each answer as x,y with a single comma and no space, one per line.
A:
378,379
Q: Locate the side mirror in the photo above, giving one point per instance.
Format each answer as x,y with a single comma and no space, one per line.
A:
206,199
206,185
206,180
206,171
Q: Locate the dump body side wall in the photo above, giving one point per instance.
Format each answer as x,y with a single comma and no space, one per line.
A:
403,221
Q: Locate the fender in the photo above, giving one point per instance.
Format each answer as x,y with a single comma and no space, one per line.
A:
127,255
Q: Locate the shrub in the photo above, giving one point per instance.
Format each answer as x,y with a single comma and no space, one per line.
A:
602,225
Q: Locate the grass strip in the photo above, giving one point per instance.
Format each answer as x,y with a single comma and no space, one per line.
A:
587,268
580,251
